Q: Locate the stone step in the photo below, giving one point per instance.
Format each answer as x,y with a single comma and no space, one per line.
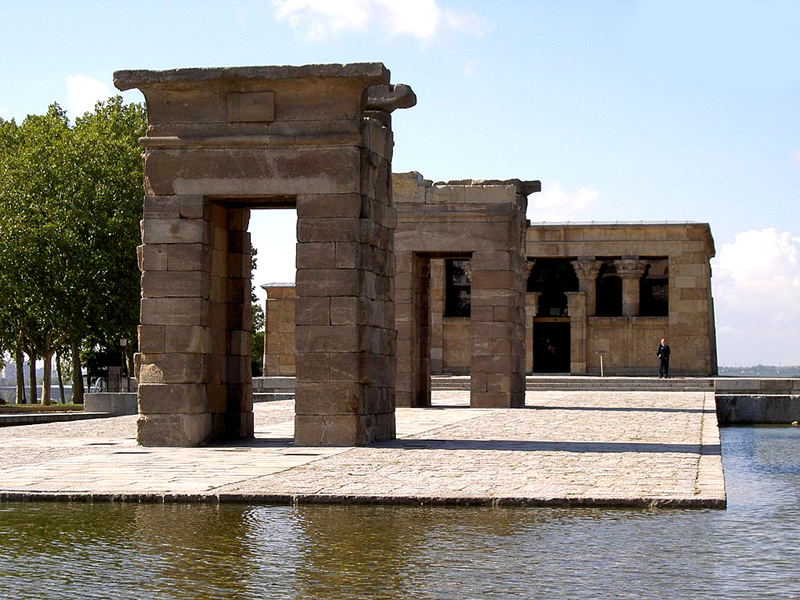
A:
272,396
590,384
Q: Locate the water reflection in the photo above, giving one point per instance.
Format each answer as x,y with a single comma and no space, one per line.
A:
198,551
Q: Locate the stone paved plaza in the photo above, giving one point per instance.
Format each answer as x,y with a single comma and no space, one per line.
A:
564,448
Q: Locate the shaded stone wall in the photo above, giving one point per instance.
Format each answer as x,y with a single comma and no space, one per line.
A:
485,223
279,330
628,342
222,141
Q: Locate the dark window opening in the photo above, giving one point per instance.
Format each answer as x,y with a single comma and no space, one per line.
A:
551,347
552,275
654,289
458,288
608,291
552,304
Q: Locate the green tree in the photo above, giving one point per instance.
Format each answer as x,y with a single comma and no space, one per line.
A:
258,333
72,200
36,187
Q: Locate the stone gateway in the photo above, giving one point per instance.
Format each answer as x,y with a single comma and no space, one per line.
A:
222,141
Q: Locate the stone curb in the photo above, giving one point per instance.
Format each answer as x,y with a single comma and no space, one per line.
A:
369,500
10,420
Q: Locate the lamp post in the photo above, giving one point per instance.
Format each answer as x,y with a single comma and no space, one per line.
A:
601,353
123,342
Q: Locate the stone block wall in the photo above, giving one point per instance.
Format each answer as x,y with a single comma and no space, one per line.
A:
628,342
279,330
483,221
222,141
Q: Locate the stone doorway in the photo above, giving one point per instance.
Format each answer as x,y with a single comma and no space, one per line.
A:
551,346
220,141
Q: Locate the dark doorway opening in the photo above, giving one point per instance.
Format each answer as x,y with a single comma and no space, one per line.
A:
551,349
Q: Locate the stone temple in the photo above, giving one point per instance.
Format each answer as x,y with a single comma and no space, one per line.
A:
610,290
398,278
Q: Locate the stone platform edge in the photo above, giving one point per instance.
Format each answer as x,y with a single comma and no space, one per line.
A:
367,500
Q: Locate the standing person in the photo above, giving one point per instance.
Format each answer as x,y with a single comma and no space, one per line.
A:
663,359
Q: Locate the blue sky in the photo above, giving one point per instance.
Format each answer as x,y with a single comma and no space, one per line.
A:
630,110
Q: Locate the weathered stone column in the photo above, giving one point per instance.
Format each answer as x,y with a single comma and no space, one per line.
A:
413,330
586,269
531,309
630,269
222,141
279,330
437,315
578,330
498,329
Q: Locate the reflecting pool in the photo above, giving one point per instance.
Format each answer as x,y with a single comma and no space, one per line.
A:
132,551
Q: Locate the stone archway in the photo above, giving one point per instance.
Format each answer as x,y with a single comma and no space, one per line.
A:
219,141
484,222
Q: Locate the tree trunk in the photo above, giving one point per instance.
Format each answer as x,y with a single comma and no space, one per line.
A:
20,358
32,372
60,378
47,357
77,375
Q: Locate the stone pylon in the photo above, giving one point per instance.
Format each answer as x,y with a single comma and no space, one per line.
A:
220,142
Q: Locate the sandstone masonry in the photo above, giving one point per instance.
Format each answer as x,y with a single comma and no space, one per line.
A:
222,141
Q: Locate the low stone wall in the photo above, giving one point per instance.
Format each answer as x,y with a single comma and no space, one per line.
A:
757,410
744,386
273,384
754,401
114,403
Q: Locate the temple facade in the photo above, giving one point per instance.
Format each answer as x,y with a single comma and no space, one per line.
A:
597,296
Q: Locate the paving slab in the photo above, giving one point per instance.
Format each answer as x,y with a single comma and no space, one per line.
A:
564,448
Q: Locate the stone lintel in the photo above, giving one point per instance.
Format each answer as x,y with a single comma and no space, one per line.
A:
413,188
369,73
524,187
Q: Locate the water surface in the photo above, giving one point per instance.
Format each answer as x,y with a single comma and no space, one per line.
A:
749,551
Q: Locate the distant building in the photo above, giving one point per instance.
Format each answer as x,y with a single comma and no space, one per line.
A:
595,291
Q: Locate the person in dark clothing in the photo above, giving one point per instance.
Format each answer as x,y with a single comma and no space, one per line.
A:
663,359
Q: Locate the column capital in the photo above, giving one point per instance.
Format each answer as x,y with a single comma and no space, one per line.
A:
586,269
630,267
529,264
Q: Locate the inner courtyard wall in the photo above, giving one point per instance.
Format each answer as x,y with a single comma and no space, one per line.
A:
627,342
279,330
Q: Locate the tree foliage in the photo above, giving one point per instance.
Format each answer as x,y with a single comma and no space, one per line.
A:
259,321
71,201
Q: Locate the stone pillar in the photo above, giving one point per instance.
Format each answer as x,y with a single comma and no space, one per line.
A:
586,269
498,329
194,362
345,333
578,330
413,330
630,269
531,308
437,284
221,141
279,330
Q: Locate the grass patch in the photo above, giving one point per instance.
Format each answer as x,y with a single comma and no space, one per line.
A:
37,408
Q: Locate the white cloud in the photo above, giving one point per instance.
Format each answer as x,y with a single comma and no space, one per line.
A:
469,68
556,204
757,297
320,19
794,159
466,22
84,92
